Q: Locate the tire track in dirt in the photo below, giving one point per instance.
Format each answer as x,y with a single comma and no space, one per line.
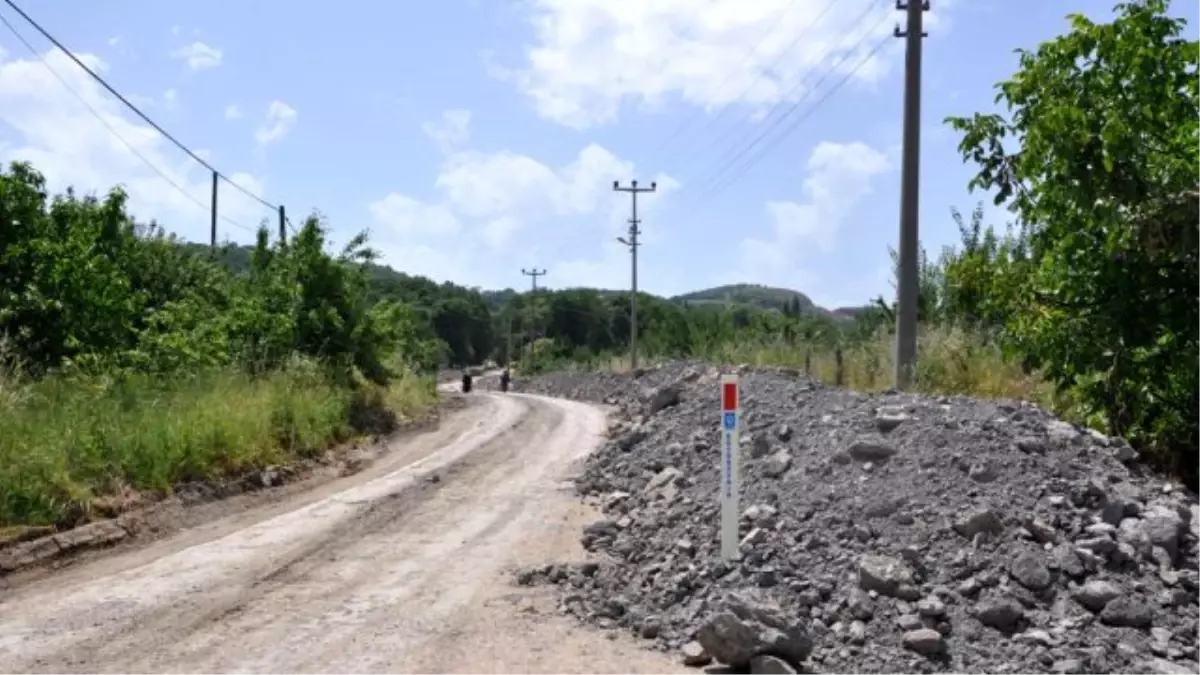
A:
398,573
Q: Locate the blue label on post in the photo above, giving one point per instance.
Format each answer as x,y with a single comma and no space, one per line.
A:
730,421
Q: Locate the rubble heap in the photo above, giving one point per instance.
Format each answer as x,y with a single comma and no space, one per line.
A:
880,533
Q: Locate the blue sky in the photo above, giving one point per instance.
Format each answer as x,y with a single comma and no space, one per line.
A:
476,137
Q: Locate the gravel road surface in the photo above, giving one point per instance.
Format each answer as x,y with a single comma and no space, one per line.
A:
404,567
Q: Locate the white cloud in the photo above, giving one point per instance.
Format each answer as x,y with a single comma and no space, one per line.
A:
171,99
279,121
486,199
451,131
233,112
49,127
198,56
405,215
114,41
838,177
591,55
499,231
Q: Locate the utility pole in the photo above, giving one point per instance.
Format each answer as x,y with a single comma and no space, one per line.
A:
282,225
213,222
508,339
908,281
632,243
533,275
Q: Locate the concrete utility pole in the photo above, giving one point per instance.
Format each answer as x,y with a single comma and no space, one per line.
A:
908,281
632,243
533,275
508,339
213,235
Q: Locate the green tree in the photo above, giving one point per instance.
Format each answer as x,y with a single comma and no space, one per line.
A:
1098,158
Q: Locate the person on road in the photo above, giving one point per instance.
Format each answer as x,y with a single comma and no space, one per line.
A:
466,383
504,379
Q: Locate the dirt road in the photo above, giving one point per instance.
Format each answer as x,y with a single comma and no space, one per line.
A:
391,570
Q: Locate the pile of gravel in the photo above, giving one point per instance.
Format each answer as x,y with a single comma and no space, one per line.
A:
881,533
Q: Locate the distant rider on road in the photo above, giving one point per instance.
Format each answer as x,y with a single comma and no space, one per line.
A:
504,379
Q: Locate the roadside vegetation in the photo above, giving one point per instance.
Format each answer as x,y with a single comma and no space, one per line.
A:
132,361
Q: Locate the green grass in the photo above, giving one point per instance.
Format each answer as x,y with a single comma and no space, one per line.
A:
949,361
67,445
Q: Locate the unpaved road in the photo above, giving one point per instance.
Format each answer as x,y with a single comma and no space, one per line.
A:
390,570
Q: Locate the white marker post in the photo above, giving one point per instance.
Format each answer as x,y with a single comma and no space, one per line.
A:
730,465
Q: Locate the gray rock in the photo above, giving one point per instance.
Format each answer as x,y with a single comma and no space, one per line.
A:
983,472
770,665
1127,610
1071,666
1163,527
1097,593
883,574
980,521
777,464
1003,614
747,628
694,655
868,450
1030,570
1165,667
663,478
760,446
924,641
662,398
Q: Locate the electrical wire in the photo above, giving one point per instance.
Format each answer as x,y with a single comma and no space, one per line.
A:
734,152
95,113
729,161
134,108
716,188
775,63
729,76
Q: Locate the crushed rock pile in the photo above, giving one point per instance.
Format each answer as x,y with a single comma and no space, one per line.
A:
880,533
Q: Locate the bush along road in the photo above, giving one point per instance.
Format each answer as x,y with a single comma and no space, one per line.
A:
880,533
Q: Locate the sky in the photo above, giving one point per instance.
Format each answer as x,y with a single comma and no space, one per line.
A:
475,138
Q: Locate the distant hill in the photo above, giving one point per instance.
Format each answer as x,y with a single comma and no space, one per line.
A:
758,296
766,297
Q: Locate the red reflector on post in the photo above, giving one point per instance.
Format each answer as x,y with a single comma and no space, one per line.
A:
729,396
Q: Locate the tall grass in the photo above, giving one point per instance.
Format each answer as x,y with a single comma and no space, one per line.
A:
67,443
950,361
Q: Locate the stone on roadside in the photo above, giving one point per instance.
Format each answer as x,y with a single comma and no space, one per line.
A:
884,575
765,664
1096,593
924,641
694,655
777,464
746,628
869,450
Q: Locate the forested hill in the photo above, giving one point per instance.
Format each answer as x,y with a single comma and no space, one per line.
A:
767,297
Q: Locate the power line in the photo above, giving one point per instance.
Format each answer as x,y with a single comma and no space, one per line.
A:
784,52
95,113
715,179
716,187
134,108
731,153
